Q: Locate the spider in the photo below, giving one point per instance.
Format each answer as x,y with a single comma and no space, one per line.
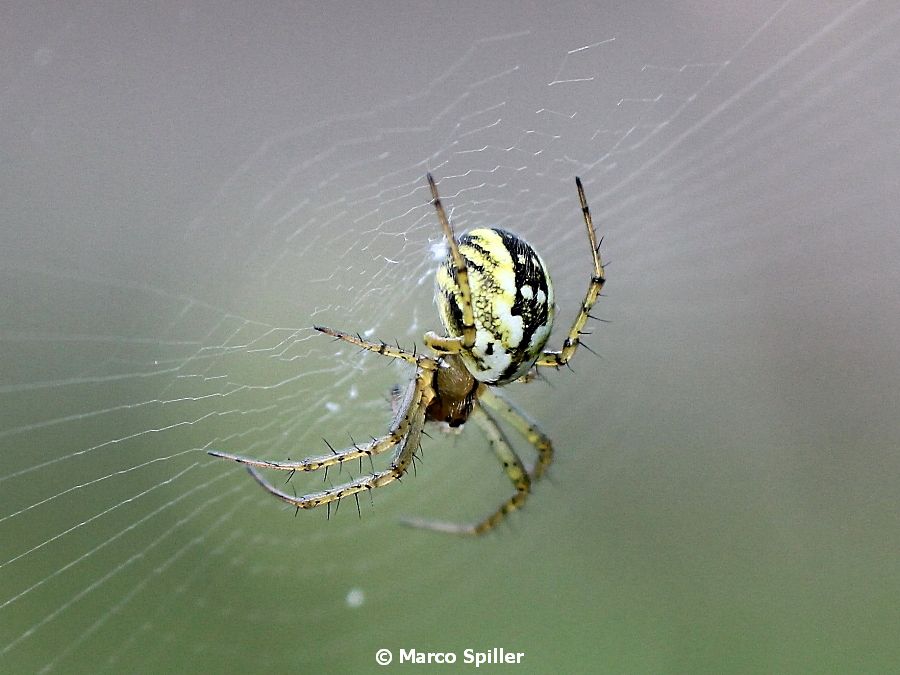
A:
495,301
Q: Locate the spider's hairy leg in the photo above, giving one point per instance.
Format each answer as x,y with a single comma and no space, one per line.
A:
514,469
598,278
374,447
494,399
377,347
407,427
443,345
467,339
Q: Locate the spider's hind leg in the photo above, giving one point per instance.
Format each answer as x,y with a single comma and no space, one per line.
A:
521,422
514,469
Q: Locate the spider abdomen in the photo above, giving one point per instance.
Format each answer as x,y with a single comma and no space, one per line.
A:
512,303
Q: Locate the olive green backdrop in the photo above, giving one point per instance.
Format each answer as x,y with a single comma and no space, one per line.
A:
188,187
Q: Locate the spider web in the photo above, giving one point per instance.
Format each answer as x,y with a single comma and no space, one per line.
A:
178,218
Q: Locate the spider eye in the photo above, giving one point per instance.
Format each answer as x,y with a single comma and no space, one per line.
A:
512,302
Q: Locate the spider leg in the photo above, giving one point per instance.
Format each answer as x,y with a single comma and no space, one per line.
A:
377,347
452,345
407,428
374,447
514,469
598,278
497,401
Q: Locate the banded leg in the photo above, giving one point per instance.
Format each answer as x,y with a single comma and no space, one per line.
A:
452,345
410,431
514,469
524,424
374,447
378,347
598,278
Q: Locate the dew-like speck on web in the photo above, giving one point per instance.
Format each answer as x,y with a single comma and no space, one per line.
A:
355,598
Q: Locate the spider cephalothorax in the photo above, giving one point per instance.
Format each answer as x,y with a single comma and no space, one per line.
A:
495,300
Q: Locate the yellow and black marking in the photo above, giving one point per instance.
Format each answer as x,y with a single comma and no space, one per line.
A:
512,303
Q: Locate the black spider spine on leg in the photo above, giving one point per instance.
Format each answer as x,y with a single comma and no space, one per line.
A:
590,350
296,506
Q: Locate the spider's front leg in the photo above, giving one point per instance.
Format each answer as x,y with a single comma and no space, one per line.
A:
465,341
399,464
374,447
406,428
358,451
378,347
443,345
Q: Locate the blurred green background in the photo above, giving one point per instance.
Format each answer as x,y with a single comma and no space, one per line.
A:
189,187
